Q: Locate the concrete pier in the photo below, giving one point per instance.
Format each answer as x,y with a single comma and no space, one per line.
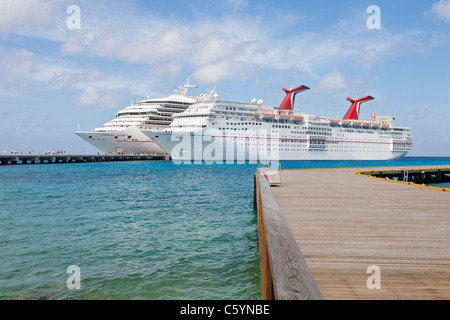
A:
415,175
65,158
358,237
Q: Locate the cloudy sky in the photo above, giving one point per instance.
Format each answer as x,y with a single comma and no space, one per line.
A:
55,72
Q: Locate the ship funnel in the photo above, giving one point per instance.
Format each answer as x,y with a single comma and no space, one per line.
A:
288,102
353,111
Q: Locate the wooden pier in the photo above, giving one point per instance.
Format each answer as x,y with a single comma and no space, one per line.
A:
333,234
65,158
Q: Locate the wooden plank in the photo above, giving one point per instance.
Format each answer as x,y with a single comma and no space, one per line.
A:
344,223
291,277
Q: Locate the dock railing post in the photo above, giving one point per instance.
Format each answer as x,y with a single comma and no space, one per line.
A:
284,272
264,263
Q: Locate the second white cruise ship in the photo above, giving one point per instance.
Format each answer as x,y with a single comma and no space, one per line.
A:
123,134
216,131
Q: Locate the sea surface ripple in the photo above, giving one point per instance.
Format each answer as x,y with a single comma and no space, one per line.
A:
137,230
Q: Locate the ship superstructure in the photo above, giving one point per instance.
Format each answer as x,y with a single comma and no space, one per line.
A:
217,130
123,133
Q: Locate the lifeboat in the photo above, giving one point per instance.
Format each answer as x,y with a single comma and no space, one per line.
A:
357,124
265,116
283,117
346,123
384,126
297,118
376,125
334,122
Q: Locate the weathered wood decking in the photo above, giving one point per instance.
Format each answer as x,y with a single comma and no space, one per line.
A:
284,272
344,223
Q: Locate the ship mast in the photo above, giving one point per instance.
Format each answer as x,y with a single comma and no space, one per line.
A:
185,89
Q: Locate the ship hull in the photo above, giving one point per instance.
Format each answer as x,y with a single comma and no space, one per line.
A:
190,146
127,141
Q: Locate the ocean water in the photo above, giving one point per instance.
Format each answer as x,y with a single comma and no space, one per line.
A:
441,185
136,230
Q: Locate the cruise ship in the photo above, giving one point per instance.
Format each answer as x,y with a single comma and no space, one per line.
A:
123,134
215,131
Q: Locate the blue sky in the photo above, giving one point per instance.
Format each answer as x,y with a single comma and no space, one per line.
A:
51,76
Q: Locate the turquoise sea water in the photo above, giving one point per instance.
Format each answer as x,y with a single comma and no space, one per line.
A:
136,230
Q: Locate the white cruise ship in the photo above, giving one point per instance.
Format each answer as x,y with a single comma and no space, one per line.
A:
217,131
123,134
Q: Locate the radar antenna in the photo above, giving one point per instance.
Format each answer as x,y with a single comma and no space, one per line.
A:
183,90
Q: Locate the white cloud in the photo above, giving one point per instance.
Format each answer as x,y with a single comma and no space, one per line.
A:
441,9
171,69
33,18
22,69
16,69
210,50
14,13
212,47
331,82
73,45
224,70
66,78
100,98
